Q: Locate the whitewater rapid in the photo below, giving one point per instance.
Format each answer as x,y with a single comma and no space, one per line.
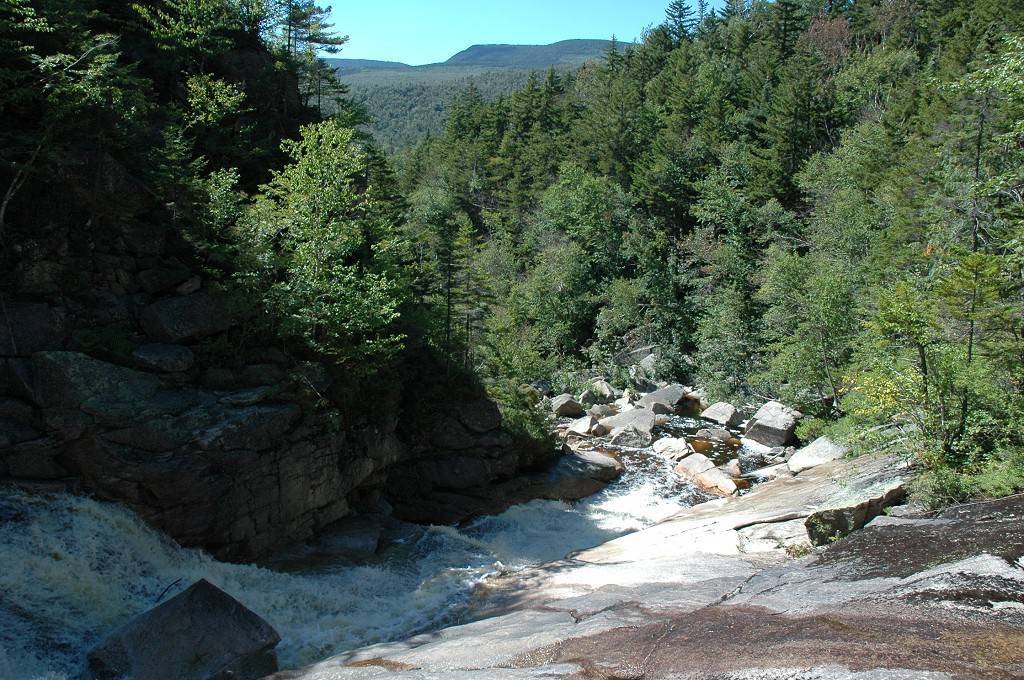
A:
74,569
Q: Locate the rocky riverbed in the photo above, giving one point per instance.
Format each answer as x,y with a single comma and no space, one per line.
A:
711,593
714,549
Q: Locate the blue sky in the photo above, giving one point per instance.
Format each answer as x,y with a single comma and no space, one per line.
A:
428,31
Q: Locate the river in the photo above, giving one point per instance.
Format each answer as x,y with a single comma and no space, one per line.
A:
73,569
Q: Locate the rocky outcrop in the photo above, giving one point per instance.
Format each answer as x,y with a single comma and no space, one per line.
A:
200,633
821,450
652,603
124,375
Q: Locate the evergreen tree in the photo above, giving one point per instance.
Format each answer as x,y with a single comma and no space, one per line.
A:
680,20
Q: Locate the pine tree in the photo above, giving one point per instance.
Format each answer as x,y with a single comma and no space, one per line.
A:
681,20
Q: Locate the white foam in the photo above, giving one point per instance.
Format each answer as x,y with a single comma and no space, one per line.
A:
74,569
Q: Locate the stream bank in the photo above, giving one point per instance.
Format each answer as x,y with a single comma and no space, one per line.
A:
706,594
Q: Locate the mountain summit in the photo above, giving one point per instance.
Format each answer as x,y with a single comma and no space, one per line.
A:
567,52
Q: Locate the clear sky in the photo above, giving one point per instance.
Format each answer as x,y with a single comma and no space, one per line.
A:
429,31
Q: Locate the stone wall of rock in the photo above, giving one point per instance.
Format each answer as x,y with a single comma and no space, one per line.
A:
125,373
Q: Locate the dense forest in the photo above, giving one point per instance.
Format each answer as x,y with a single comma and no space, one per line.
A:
406,106
819,201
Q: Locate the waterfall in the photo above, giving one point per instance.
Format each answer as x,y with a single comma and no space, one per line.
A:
75,569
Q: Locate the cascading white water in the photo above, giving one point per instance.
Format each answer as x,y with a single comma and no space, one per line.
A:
73,569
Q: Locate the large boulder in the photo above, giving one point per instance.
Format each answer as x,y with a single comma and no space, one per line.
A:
200,633
630,437
598,392
715,434
821,450
604,391
773,424
699,469
579,474
160,279
585,426
675,449
723,413
564,406
70,380
186,317
665,400
480,416
642,419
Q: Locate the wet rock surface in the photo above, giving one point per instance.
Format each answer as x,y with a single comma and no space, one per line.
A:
915,596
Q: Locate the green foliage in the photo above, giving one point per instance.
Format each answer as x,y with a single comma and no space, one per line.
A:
321,253
819,206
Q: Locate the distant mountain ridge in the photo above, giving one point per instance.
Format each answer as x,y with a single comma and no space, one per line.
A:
532,56
409,102
564,52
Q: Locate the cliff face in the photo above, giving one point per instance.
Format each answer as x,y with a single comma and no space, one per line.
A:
125,373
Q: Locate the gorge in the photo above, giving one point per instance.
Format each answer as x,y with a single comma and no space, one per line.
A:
700,356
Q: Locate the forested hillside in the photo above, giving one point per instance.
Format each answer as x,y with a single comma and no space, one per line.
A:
407,103
405,106
820,202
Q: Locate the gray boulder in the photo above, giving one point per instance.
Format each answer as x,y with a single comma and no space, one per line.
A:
480,416
603,392
630,437
665,400
751,460
642,419
579,474
773,424
723,413
601,410
164,358
583,426
200,633
187,317
821,450
564,406
160,279
675,449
